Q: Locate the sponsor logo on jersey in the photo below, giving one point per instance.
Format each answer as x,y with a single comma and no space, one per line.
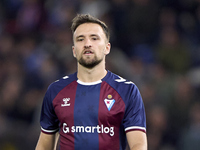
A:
109,102
88,129
66,102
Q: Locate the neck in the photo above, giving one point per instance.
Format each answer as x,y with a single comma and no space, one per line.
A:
91,75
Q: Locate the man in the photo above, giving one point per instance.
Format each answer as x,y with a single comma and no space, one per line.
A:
92,108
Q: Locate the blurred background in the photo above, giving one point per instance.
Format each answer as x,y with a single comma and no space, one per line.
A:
155,44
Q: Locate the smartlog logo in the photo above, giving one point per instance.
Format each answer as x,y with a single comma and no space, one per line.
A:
88,129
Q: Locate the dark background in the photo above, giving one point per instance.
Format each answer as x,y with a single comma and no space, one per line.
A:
155,44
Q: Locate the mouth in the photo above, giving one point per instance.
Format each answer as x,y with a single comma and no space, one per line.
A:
87,52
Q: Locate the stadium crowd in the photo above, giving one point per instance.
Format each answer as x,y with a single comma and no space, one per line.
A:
155,44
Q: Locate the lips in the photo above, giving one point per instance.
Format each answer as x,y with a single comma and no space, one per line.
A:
87,52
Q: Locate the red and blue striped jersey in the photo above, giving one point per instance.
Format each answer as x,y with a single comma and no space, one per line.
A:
94,115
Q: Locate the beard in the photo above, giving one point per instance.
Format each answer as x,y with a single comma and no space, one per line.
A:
87,63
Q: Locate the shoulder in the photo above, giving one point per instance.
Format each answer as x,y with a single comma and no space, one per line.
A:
120,84
64,80
58,85
116,80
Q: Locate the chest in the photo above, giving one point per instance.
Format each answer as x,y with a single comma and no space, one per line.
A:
89,105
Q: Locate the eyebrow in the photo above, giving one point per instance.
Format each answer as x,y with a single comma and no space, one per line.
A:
94,35
81,36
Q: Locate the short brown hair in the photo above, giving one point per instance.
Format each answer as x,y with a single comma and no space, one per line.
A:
86,18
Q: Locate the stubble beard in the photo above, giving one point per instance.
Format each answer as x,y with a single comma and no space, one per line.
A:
87,63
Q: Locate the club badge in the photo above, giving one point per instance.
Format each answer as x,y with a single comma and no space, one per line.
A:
109,102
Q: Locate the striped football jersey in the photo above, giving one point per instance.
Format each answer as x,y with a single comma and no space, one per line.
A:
94,115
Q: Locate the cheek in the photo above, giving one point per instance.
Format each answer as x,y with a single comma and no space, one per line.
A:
101,50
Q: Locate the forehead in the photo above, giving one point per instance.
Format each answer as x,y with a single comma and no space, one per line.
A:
88,29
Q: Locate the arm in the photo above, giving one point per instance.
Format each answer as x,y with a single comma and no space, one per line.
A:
137,140
47,141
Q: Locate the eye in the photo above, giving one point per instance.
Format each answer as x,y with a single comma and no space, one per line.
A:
94,38
80,39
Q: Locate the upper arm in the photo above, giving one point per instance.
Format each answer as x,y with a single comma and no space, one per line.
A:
137,140
47,141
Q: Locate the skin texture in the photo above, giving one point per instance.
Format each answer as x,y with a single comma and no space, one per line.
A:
90,49
47,141
137,140
90,45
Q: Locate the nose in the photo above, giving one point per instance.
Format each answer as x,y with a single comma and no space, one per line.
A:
87,44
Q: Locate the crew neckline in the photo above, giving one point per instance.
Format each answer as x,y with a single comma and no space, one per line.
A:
89,83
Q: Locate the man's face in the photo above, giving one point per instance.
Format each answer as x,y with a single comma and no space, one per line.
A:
90,45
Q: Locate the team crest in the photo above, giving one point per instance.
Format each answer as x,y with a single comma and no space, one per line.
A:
109,102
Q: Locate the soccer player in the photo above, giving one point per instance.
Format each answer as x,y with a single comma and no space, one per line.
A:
92,109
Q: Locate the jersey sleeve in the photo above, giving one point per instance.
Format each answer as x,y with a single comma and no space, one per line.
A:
135,118
48,119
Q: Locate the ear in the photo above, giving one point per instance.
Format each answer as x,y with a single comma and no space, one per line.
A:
73,50
107,49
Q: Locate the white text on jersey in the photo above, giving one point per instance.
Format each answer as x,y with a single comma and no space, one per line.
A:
88,129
